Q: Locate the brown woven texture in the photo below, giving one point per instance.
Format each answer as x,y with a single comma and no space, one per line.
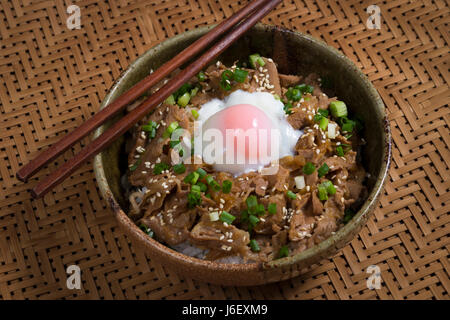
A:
53,79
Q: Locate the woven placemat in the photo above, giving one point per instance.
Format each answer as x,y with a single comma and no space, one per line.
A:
53,78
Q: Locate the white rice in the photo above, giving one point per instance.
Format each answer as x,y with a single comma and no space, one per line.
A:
193,251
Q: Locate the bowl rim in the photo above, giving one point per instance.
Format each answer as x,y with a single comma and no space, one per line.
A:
356,222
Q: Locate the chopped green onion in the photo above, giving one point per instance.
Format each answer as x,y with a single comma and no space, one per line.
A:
170,100
240,75
277,97
272,208
309,89
201,76
323,170
253,220
305,88
215,185
135,165
195,114
318,117
261,62
170,129
194,199
251,202
192,178
309,168
160,167
150,127
147,128
202,186
226,186
201,172
322,193
328,185
209,179
254,246
194,91
182,90
323,112
340,151
331,189
184,100
323,124
179,168
256,58
147,230
152,133
291,195
347,127
260,210
227,75
284,252
225,82
287,107
294,94
226,217
196,188
173,143
338,109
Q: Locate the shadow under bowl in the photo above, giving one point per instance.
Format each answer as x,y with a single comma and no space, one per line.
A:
295,53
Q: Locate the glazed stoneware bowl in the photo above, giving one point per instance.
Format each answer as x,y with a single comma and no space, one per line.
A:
295,53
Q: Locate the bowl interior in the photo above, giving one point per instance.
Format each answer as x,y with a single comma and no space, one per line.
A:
294,53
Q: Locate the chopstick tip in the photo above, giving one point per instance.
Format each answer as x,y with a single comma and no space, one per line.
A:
34,194
21,177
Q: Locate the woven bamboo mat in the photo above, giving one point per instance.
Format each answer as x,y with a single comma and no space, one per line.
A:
54,78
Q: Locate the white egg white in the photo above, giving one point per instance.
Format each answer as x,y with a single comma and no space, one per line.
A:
273,109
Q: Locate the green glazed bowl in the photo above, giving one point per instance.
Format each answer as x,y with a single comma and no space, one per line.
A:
295,53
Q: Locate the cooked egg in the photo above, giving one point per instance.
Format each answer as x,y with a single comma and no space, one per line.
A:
244,132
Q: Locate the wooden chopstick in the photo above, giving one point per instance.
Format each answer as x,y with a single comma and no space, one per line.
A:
135,92
125,123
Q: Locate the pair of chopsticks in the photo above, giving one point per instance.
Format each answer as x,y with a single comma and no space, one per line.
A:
252,13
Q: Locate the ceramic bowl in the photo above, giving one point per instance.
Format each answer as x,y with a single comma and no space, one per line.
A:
295,53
